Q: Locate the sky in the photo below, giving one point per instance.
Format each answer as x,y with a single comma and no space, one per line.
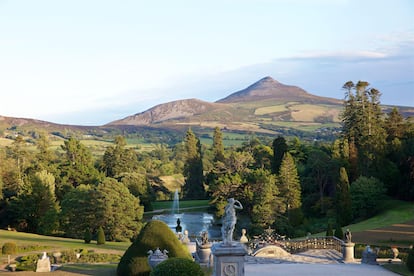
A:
90,62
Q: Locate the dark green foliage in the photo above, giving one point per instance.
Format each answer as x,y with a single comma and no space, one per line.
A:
101,236
87,237
155,234
177,267
366,194
9,248
410,260
279,149
343,199
329,230
193,169
339,233
110,204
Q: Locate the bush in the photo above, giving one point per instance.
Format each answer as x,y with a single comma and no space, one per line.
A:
338,232
9,248
155,234
87,237
177,267
101,236
410,260
366,193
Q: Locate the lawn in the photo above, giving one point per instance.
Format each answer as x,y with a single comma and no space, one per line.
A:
55,243
157,205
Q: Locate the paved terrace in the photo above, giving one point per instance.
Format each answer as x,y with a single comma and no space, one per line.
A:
312,262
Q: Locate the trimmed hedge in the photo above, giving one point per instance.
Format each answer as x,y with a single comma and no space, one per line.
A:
155,234
101,236
9,248
177,267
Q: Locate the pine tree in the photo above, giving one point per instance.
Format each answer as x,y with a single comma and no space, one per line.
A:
290,188
343,199
218,148
279,149
193,169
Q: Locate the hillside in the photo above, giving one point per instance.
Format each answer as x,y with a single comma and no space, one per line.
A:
264,106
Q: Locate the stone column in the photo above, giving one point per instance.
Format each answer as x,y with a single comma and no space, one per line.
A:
228,259
348,252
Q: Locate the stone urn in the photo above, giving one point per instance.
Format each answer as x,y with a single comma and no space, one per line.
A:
203,248
156,257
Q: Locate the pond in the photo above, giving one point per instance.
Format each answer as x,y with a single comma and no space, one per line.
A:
195,223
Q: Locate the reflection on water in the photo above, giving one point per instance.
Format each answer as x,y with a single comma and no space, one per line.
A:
194,223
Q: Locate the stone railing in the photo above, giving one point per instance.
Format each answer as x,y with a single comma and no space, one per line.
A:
296,246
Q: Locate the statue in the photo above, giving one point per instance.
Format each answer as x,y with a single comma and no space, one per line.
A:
348,236
178,228
229,220
204,238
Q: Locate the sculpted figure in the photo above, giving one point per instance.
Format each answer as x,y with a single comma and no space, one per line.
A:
229,220
348,236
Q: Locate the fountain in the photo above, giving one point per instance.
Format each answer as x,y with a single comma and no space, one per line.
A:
194,222
176,203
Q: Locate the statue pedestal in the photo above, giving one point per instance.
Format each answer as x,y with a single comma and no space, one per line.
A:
348,252
228,259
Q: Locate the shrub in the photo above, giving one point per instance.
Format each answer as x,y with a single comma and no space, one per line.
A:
9,248
178,267
338,232
410,260
155,234
87,236
329,231
101,236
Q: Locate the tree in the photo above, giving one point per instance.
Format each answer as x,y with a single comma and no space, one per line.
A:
78,167
279,149
363,124
36,209
343,199
193,169
266,205
118,159
110,204
290,189
366,194
218,148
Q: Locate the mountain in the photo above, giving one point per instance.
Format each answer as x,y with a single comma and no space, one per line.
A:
262,107
270,89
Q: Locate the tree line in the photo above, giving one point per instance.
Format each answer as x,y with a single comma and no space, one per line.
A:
284,183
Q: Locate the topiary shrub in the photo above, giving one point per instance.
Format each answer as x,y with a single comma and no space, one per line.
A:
410,260
329,230
101,236
338,232
177,267
9,248
155,234
87,237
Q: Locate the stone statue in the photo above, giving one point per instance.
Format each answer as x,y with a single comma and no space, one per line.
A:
348,236
204,237
178,228
229,220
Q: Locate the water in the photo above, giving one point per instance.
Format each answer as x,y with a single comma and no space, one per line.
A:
176,203
195,223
